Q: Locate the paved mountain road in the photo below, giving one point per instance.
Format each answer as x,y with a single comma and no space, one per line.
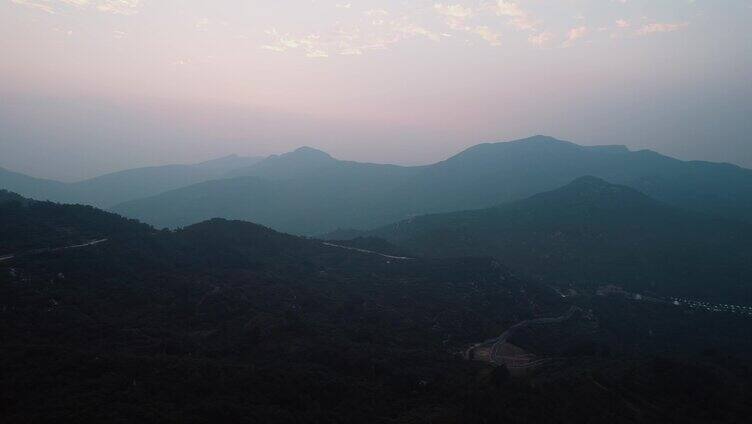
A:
499,341
401,258
53,249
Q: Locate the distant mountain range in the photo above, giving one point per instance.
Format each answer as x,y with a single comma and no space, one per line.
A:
594,233
110,189
309,192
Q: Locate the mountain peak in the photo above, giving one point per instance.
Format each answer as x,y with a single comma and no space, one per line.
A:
595,191
596,186
541,138
288,165
302,156
538,139
490,157
309,152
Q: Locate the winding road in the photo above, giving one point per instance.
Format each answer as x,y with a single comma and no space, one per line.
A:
91,243
498,342
55,249
401,258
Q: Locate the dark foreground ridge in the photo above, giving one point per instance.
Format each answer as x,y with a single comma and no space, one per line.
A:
228,321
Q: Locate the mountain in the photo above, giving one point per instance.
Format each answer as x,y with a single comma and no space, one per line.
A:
300,162
232,321
228,163
29,225
7,196
309,192
492,173
594,233
110,189
37,188
303,192
278,315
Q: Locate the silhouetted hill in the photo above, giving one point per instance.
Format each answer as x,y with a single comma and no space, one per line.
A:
228,163
31,225
300,162
36,188
110,189
595,233
232,321
309,192
7,196
341,193
492,173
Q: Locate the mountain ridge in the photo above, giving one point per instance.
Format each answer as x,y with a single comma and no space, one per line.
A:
592,232
320,194
32,225
234,321
113,188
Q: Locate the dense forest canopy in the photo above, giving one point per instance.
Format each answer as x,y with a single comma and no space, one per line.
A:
232,321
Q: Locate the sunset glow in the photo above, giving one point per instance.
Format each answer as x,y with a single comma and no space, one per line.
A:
381,80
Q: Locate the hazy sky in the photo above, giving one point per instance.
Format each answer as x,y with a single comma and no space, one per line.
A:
90,86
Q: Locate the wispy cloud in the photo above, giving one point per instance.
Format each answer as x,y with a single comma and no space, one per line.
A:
42,5
344,27
540,40
120,7
492,37
455,11
518,17
377,31
457,17
575,34
658,27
